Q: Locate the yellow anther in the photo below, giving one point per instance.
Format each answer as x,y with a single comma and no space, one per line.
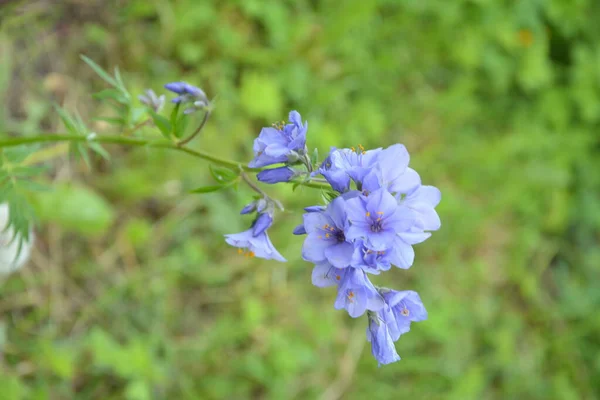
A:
378,219
240,251
405,312
325,226
380,212
351,295
319,237
353,149
337,277
327,235
368,214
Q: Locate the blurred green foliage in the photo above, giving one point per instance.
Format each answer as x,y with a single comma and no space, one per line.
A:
132,293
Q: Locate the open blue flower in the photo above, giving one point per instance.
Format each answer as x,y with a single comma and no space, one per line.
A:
255,246
382,343
422,202
283,144
377,219
357,294
255,241
324,275
390,171
400,310
325,239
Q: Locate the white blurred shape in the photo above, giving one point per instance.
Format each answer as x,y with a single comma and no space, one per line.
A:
10,257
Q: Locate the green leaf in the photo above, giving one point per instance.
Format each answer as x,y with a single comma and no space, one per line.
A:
314,159
97,69
98,149
208,189
111,120
67,120
328,196
112,94
222,174
162,124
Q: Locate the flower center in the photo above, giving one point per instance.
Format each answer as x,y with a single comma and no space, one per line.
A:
246,252
377,223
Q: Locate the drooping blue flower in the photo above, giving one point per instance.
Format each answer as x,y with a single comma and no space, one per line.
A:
256,246
325,239
255,240
382,344
377,219
281,144
401,308
324,275
276,175
357,294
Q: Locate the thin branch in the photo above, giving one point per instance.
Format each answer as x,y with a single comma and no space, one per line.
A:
197,131
130,141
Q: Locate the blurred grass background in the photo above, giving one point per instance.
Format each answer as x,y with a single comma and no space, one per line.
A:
132,292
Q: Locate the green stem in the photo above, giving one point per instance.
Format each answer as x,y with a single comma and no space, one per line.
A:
129,141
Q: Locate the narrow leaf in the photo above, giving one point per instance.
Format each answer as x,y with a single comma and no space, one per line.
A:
207,189
162,123
97,69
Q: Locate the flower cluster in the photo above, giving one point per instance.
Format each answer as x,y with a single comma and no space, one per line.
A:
379,210
281,144
193,97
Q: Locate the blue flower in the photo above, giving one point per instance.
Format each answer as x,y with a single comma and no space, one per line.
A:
357,294
282,144
342,165
326,240
390,171
188,94
152,100
276,175
377,218
382,344
324,275
368,260
300,230
422,202
400,310
256,240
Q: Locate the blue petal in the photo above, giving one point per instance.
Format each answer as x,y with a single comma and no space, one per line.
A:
340,254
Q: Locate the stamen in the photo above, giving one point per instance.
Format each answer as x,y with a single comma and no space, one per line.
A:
240,251
327,235
368,214
351,295
337,277
405,312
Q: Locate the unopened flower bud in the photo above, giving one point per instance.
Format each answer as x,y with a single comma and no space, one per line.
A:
276,175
